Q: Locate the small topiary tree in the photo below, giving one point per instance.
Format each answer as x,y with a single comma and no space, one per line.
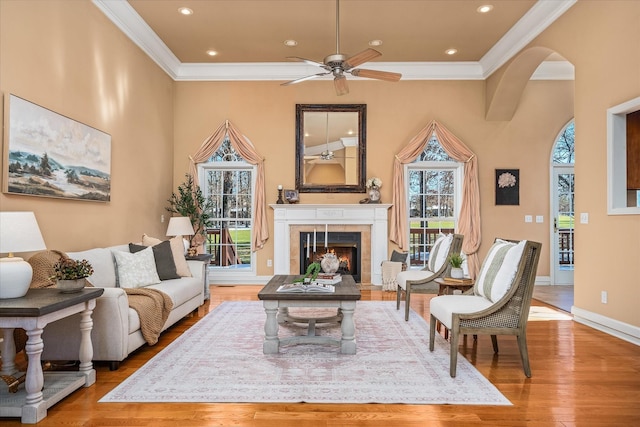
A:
191,203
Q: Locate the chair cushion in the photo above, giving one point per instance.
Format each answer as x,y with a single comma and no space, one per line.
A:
411,275
442,307
498,269
439,252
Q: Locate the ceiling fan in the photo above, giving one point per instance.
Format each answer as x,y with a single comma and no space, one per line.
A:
338,64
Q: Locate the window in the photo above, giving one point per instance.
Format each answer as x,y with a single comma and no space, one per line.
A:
621,199
434,183
228,182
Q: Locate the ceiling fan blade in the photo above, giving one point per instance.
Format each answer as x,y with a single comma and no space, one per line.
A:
379,75
361,58
312,76
308,61
340,82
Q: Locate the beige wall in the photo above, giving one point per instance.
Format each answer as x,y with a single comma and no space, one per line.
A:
68,57
265,112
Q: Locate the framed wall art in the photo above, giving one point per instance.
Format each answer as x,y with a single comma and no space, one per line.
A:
51,155
507,186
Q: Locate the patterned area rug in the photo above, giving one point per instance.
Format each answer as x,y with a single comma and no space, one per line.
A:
220,359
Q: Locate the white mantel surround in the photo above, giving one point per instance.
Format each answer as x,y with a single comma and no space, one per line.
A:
287,215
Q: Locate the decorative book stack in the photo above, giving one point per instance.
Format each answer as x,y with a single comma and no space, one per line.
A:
328,278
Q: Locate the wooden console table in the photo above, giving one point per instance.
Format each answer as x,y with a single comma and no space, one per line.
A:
33,312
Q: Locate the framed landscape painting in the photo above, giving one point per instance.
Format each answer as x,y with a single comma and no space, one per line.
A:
51,155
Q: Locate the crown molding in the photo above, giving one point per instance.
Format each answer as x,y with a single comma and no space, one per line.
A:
538,18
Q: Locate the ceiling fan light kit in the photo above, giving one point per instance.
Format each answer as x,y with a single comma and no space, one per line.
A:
338,64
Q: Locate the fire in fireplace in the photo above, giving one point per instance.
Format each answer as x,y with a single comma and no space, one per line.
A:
345,245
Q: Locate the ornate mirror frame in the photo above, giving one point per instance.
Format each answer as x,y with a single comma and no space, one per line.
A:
349,152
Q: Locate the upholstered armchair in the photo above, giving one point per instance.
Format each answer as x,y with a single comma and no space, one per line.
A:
437,266
498,304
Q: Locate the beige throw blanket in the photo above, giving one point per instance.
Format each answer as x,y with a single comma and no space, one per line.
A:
390,270
153,307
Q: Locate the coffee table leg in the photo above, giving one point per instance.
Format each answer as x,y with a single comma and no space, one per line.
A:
271,343
348,342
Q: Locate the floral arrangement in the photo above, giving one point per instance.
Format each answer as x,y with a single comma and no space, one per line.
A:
506,180
70,269
374,182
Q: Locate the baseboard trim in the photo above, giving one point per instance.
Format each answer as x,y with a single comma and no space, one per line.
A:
618,329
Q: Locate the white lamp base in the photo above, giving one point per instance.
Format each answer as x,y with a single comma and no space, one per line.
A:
15,277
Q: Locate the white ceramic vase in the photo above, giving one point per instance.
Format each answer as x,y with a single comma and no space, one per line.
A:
330,263
457,273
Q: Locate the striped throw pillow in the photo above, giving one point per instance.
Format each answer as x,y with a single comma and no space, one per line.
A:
499,269
439,252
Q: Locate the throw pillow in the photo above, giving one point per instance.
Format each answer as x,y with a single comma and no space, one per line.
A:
165,265
136,270
439,252
499,269
399,256
177,249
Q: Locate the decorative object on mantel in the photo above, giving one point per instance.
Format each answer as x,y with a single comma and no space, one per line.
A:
191,203
71,274
330,263
373,185
19,232
292,196
280,201
456,266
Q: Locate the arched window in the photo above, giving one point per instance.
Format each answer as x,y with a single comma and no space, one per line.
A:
434,186
228,182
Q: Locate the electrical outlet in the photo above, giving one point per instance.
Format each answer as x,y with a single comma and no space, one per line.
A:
584,218
269,263
603,297
539,219
528,218
161,218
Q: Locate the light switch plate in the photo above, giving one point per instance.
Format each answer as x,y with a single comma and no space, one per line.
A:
539,219
584,218
528,218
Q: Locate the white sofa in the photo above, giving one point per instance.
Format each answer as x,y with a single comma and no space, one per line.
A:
116,327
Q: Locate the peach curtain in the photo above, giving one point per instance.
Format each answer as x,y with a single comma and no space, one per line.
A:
469,220
245,148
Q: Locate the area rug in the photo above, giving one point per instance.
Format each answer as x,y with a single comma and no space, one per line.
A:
220,359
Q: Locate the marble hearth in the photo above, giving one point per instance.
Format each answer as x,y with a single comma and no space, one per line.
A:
371,220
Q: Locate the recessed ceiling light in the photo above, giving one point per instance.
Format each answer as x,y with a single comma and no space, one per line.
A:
451,51
290,43
485,8
212,52
185,11
375,43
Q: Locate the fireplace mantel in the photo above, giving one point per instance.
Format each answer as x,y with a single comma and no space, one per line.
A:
369,214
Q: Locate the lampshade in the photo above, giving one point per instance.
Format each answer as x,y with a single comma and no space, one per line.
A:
19,232
180,226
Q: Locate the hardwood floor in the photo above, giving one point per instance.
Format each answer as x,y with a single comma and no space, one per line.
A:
580,377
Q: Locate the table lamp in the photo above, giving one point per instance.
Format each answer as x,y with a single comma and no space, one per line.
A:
181,226
19,232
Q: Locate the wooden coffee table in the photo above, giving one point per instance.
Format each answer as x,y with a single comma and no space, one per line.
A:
276,305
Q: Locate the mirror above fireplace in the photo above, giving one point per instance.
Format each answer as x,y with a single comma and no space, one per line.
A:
330,148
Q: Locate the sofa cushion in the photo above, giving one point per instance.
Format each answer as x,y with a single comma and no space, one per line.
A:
399,256
180,290
165,266
177,249
439,252
498,269
136,270
101,259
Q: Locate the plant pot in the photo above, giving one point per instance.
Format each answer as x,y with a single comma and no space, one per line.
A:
71,286
457,273
374,195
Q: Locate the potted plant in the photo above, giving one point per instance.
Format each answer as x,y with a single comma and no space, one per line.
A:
71,274
311,274
456,266
191,203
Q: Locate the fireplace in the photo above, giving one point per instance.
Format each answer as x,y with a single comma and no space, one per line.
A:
345,245
293,222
